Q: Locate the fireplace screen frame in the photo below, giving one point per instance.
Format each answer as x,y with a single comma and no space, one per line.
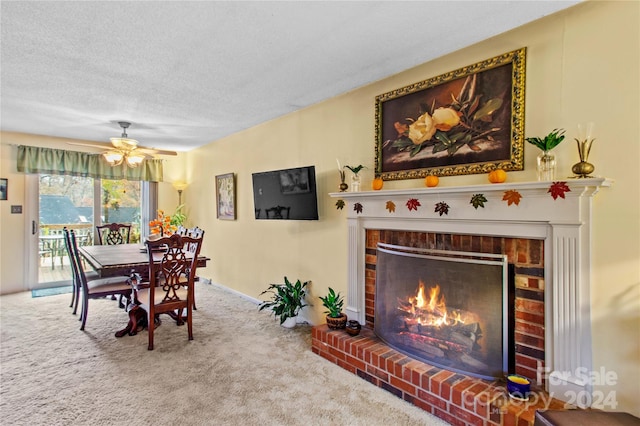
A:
499,260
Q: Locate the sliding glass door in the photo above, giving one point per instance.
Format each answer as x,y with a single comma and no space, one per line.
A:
59,201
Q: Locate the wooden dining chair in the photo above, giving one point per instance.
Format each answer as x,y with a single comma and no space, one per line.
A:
114,233
171,280
75,284
96,288
197,233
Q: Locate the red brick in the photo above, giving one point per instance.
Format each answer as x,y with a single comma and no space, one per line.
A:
401,384
392,364
377,353
419,403
531,306
469,395
526,361
349,367
408,370
432,399
530,317
448,417
527,372
399,364
466,416
328,357
532,341
530,328
482,404
458,388
436,380
336,353
356,362
378,373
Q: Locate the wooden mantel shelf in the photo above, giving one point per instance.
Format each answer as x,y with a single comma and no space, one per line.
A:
536,203
593,183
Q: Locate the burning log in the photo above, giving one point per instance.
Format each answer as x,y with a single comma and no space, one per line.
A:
458,338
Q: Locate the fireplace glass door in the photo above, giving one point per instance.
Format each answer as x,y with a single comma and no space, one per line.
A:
445,308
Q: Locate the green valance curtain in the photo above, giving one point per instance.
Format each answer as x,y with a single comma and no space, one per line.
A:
33,159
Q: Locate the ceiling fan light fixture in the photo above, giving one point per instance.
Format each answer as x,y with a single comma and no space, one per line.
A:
113,157
133,160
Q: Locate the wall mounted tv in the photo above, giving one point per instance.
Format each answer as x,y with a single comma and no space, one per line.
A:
286,194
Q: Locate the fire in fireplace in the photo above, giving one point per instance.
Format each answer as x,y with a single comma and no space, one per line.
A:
447,308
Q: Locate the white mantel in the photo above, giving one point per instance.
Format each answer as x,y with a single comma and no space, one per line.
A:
564,224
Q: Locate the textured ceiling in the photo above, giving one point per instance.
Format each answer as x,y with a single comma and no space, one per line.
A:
188,73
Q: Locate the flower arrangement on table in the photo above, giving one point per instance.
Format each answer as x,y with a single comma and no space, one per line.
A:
162,225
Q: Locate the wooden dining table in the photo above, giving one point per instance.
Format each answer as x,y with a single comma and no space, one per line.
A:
122,259
126,260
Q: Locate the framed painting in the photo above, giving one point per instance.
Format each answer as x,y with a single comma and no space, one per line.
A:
226,196
4,188
466,121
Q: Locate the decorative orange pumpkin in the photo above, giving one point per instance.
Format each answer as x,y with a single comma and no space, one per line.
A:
431,181
377,184
497,176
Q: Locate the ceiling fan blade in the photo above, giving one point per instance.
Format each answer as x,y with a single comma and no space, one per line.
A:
92,144
146,150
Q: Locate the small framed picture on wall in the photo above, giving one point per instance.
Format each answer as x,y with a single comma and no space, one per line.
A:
4,184
226,196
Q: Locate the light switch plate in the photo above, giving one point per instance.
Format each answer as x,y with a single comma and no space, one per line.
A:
16,209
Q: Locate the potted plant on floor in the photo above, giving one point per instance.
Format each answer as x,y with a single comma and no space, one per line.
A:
286,301
333,301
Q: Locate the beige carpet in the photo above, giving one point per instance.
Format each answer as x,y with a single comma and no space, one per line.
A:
241,369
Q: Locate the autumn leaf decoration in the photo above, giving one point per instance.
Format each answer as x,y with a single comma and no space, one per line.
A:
357,207
413,204
442,208
391,206
557,189
340,204
478,200
512,197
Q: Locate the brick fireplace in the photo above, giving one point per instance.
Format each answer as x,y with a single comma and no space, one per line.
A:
546,240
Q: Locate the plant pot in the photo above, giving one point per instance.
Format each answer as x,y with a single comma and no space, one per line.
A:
338,323
290,322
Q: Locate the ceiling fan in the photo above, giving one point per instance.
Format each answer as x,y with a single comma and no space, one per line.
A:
124,149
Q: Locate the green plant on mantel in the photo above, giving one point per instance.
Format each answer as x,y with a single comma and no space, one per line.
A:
355,169
550,141
286,299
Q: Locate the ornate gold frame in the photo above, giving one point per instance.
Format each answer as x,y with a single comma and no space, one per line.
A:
395,159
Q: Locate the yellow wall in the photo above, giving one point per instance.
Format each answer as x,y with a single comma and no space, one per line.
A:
582,65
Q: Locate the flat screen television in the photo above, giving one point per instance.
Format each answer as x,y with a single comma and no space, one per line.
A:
286,194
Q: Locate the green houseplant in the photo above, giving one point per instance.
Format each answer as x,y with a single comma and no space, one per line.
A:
286,300
333,302
546,159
